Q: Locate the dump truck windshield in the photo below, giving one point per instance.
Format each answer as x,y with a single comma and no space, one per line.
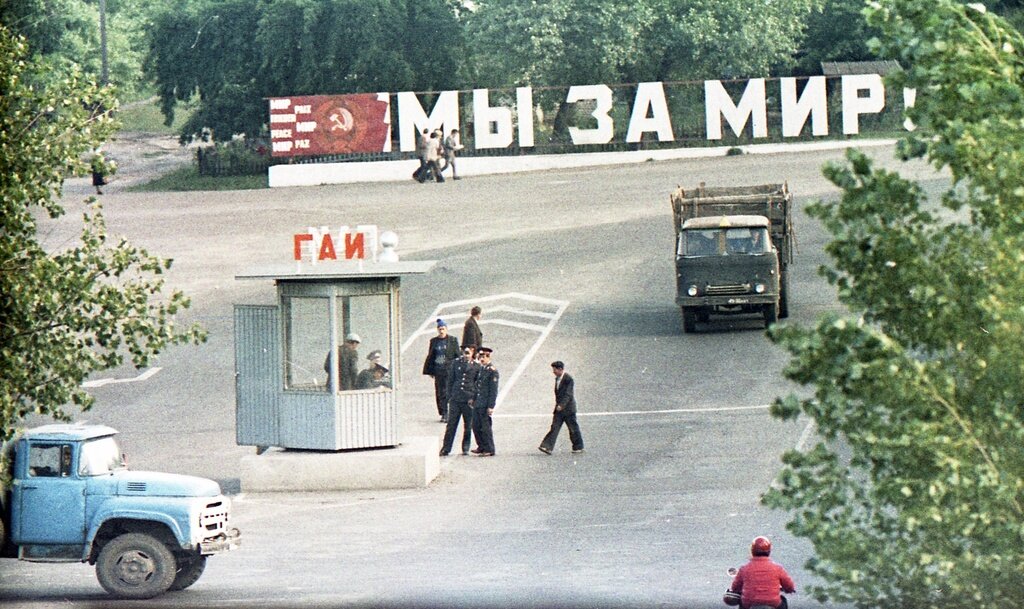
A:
723,241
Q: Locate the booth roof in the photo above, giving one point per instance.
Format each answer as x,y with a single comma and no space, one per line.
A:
301,271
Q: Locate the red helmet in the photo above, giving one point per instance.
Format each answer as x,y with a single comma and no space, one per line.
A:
761,546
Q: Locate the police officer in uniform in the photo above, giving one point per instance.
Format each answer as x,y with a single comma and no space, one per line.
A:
462,377
483,405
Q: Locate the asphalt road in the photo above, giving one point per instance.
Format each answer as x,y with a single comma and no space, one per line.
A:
680,445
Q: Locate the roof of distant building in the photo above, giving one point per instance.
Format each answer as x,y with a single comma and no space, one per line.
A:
840,68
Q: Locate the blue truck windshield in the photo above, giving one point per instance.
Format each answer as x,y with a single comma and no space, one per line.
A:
100,456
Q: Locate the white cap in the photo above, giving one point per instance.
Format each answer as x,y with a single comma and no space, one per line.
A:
353,338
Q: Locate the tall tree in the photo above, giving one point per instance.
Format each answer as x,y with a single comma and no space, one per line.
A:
68,32
838,32
566,42
87,307
235,53
915,495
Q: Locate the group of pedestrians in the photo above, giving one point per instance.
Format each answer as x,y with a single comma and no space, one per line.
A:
466,389
431,147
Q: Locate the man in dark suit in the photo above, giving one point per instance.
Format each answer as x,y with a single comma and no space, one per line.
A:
483,404
471,334
565,412
443,350
462,378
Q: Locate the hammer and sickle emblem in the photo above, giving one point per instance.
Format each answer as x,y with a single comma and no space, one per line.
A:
341,118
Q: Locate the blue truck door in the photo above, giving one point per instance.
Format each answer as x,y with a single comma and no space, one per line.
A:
52,497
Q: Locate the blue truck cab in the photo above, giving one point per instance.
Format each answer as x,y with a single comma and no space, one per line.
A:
72,499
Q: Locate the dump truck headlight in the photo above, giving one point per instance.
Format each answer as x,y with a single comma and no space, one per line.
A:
759,288
692,291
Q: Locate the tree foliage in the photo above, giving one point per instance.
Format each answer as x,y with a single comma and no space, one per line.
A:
235,53
67,32
838,32
566,42
913,498
87,307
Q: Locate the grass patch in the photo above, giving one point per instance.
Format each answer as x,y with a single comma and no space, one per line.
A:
145,116
188,179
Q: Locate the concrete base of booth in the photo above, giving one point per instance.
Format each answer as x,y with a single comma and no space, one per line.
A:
412,464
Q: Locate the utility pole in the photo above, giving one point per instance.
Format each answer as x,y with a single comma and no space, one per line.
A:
104,69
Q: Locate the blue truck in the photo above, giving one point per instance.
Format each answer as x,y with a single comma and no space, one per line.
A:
69,497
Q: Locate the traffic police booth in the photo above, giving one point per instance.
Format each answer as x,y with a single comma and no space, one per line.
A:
321,369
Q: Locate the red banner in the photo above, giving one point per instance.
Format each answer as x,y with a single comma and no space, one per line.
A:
330,124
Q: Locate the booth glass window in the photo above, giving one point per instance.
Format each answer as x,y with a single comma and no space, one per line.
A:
366,365
307,341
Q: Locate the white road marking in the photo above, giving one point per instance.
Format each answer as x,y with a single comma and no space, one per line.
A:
101,382
495,317
801,444
639,412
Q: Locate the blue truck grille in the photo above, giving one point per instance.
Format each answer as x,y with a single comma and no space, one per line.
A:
214,518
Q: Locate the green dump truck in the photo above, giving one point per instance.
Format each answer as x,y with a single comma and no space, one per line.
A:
734,246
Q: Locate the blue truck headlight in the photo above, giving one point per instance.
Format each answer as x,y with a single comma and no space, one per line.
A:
759,288
692,291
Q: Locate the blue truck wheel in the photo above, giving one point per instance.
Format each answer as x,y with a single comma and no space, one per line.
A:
189,572
135,565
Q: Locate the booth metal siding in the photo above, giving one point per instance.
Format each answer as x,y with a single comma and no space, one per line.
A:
367,419
257,375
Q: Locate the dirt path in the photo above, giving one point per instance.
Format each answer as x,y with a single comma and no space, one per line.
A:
140,157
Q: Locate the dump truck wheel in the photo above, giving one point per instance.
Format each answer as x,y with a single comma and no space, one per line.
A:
189,572
135,565
689,320
770,315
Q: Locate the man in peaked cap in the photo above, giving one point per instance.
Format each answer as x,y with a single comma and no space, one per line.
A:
462,378
348,362
483,404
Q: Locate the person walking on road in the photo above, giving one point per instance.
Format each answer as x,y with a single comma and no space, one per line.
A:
422,143
434,155
462,377
442,351
483,404
565,412
471,334
451,146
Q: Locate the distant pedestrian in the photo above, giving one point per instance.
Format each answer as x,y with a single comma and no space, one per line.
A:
483,405
462,377
442,351
451,146
565,412
434,155
471,334
99,172
422,143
